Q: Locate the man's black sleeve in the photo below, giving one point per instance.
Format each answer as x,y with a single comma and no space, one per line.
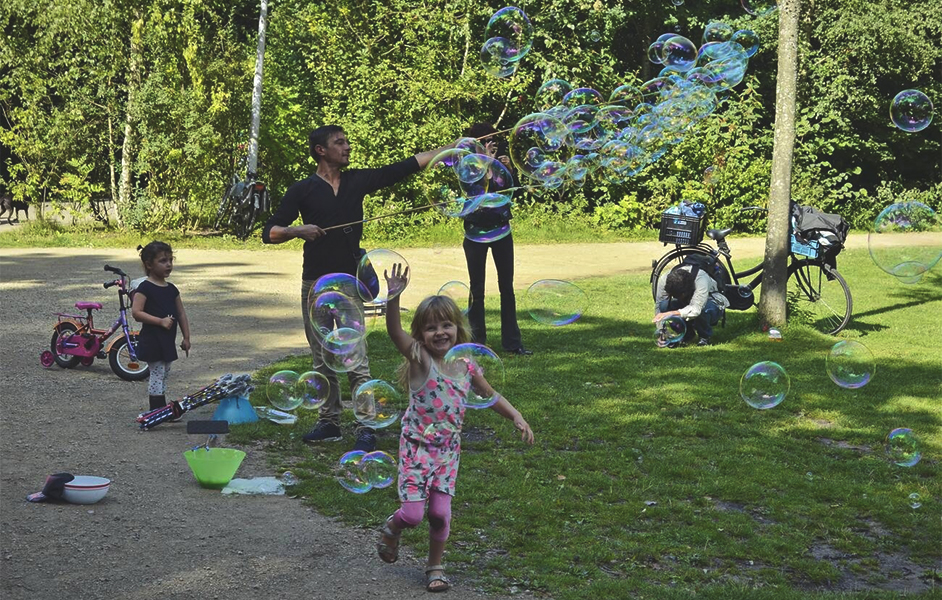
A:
287,211
377,179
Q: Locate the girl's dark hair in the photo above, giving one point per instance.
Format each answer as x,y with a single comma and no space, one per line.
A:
151,251
479,129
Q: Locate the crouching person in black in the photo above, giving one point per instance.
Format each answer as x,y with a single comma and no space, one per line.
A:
690,293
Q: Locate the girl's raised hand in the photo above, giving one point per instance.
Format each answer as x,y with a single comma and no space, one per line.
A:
521,424
397,281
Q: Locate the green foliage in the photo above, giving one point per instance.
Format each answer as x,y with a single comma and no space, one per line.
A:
650,477
403,77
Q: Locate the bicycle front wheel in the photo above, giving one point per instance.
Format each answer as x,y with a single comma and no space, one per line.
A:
676,257
224,204
818,296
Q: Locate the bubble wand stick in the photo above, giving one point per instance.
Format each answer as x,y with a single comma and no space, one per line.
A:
401,212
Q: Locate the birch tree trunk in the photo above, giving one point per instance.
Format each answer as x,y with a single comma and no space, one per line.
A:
775,274
128,148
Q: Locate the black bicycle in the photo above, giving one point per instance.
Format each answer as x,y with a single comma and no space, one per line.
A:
242,202
816,291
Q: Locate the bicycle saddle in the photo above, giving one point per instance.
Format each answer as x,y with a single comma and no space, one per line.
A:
718,234
88,305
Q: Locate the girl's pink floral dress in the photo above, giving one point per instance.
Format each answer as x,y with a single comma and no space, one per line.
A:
430,444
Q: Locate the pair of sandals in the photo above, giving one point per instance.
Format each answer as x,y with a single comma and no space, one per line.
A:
435,580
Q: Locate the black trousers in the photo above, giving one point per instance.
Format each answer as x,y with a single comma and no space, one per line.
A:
476,255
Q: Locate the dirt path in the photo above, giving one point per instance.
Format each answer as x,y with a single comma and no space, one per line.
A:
157,534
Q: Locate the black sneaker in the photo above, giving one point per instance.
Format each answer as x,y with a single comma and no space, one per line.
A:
324,431
704,342
366,440
521,351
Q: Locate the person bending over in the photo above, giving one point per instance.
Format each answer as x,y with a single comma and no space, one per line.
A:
693,296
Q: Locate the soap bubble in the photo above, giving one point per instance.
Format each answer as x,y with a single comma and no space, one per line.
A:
759,8
512,24
717,32
338,321
679,53
444,187
850,364
677,2
313,389
748,39
498,56
594,35
764,385
906,240
625,95
655,50
671,330
282,390
555,302
350,472
911,111
348,285
485,234
581,97
536,140
459,292
373,268
344,363
903,447
376,404
472,167
466,361
379,469
551,94
915,501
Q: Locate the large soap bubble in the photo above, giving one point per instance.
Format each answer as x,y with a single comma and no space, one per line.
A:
313,388
764,385
551,94
759,8
459,292
376,404
850,364
348,285
717,32
348,361
498,56
555,302
466,362
379,469
372,271
350,473
338,321
748,39
903,447
678,53
911,111
282,390
906,240
538,145
513,25
444,186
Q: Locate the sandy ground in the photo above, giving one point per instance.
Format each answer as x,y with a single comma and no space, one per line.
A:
157,534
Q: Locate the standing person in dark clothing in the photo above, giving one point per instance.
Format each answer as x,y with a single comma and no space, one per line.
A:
489,228
157,305
333,196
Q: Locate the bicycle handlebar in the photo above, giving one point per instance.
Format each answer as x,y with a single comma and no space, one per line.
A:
115,270
110,284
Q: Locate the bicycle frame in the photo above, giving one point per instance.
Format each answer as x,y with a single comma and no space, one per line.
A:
85,324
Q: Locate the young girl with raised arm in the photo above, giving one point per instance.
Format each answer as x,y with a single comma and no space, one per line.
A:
430,444
158,307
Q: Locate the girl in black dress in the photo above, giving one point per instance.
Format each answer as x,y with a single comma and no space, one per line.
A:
158,307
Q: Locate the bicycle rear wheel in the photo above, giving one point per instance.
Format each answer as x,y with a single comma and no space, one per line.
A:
676,257
819,296
224,205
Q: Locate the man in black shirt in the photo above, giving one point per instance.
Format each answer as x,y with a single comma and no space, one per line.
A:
333,196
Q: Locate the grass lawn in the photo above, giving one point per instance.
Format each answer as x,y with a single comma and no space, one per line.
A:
651,478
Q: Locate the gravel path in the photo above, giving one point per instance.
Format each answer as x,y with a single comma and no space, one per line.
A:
157,534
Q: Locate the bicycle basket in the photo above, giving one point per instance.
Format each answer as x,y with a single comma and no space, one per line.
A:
679,229
811,248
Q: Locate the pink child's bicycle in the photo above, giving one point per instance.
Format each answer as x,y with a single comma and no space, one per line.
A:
76,340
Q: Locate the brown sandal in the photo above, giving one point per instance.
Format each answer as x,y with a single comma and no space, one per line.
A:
389,553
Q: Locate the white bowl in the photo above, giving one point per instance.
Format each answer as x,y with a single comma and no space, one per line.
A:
86,489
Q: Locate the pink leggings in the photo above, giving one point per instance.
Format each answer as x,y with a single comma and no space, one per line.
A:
439,515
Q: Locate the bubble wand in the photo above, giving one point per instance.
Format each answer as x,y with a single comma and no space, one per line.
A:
401,212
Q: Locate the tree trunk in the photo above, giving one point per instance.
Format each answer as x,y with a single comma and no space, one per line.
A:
775,274
128,148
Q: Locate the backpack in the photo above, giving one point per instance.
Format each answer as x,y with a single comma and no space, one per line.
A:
739,297
828,230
